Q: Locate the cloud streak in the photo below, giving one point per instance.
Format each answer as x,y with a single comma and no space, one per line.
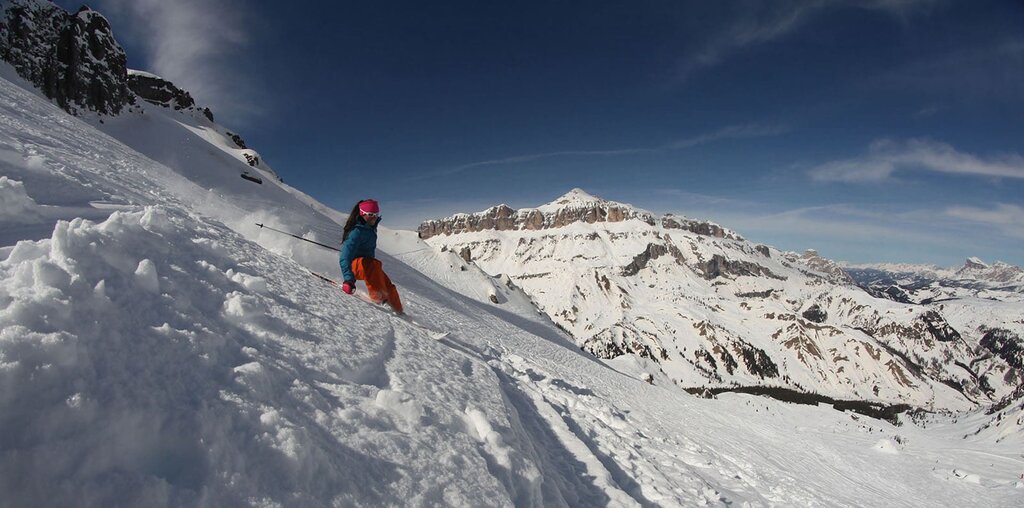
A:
195,44
744,131
990,71
849,232
1005,217
760,23
885,157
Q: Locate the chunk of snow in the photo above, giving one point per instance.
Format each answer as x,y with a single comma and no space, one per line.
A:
16,206
146,276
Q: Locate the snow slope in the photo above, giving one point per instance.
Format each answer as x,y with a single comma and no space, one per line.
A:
156,349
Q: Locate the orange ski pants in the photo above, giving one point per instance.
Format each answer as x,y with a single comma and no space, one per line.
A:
378,285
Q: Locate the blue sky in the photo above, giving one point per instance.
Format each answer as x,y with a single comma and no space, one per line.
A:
870,130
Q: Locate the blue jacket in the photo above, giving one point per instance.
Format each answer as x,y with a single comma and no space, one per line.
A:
361,243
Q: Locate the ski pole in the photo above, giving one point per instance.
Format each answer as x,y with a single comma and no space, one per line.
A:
335,249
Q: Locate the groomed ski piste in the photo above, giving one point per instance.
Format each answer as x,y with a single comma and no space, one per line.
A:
157,348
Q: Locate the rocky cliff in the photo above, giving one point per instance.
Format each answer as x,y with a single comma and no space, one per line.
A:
73,59
161,92
576,206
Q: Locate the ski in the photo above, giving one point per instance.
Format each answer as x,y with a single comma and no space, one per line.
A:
434,334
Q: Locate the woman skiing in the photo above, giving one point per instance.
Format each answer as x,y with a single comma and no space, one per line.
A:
359,244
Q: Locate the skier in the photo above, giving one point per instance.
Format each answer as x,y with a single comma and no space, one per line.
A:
359,244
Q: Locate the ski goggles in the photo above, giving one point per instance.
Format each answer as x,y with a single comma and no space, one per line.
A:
369,215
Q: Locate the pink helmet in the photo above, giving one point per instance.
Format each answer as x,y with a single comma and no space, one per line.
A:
369,206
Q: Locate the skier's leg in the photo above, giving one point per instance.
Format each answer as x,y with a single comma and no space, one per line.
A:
369,270
393,299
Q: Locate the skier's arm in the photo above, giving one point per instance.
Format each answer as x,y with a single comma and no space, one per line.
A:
347,251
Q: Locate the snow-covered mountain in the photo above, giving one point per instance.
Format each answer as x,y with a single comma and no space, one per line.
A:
159,349
704,308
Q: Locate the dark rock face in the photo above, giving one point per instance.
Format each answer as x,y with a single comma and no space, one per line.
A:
758,362
1006,345
505,218
757,294
699,227
603,347
239,142
763,249
939,328
815,314
72,58
160,92
653,251
718,266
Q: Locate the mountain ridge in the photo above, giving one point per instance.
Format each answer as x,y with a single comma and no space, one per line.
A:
673,295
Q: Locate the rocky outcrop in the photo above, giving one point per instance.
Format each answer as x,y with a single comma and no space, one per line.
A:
72,58
815,314
758,362
652,252
719,266
237,140
939,328
704,228
829,268
1006,345
565,211
159,91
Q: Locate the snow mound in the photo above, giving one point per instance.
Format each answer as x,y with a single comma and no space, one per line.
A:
15,204
887,446
132,362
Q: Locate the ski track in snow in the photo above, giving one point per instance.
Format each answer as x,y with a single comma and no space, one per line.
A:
158,349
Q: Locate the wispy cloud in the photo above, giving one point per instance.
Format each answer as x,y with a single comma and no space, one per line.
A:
743,131
852,233
1005,217
993,70
756,23
195,44
885,157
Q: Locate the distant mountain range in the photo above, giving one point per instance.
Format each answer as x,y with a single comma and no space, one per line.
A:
928,283
699,306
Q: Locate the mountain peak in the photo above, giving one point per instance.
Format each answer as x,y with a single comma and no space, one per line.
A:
974,263
574,198
578,194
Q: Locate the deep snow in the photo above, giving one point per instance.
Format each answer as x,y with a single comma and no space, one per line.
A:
157,348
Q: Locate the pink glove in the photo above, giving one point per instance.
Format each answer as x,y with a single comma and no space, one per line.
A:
348,287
